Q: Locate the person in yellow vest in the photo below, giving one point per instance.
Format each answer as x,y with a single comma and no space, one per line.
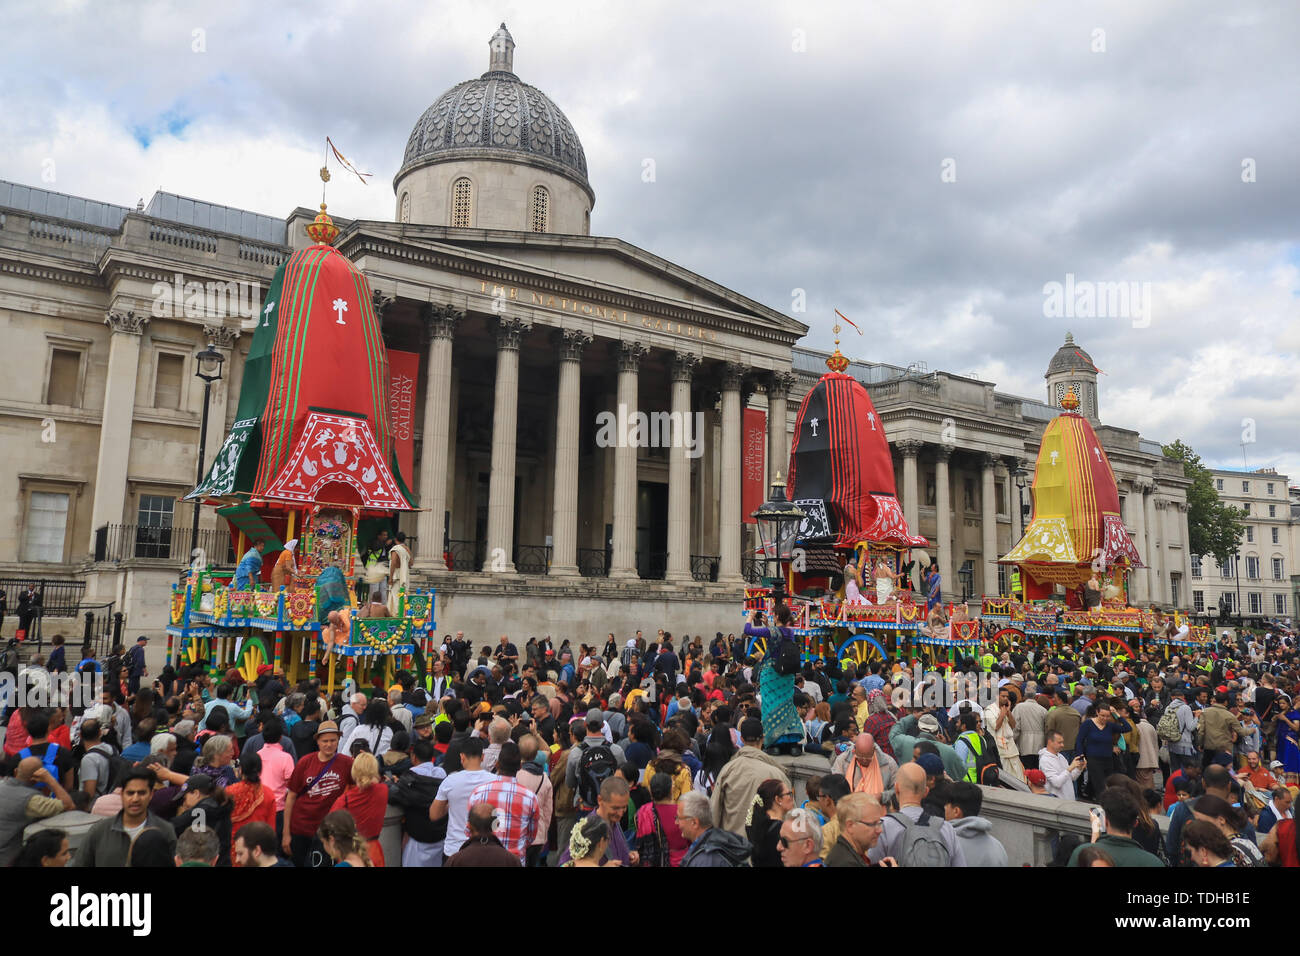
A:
1015,583
987,662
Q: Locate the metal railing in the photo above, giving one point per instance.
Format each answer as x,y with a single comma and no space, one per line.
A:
593,562
101,628
704,567
464,555
532,558
122,542
652,565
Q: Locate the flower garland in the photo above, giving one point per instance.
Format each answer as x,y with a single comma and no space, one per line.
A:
579,845
331,528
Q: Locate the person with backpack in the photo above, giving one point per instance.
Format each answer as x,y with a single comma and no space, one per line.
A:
133,662
592,761
911,836
1177,728
413,793
57,760
973,748
783,730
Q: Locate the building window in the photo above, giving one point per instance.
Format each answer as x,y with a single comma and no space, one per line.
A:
1196,565
1250,535
586,222
1272,511
1270,487
1218,484
972,503
1256,602
462,203
1000,490
153,533
541,209
1198,602
1252,567
63,387
1275,540
404,215
1225,568
167,381
1002,579
1279,604
47,527
1245,509
1277,569
1174,582
1245,487
929,490
1228,602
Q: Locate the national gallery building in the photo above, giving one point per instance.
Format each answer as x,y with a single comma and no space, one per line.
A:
517,337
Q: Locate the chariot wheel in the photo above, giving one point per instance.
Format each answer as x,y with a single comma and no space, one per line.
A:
858,649
1109,645
252,655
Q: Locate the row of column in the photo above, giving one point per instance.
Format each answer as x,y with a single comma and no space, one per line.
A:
440,328
943,508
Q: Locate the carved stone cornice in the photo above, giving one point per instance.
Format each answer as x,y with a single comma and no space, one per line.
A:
630,355
439,321
129,323
220,336
684,365
571,343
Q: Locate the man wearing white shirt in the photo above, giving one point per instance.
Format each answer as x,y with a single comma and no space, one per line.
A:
1060,774
453,796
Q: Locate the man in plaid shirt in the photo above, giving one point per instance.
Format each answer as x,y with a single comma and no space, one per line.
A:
517,809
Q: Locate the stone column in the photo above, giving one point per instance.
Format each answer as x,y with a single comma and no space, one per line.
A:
911,491
778,453
1139,580
679,468
564,524
115,424
1011,463
1185,537
989,523
1156,574
1163,507
729,494
439,331
943,515
623,560
505,421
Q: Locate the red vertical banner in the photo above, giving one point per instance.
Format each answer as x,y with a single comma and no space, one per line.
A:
403,373
752,490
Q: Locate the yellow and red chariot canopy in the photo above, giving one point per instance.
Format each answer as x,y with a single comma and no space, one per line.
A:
1076,518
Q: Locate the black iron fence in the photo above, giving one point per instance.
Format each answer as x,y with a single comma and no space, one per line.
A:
123,542
593,562
101,628
704,567
751,569
652,565
464,555
532,558
55,598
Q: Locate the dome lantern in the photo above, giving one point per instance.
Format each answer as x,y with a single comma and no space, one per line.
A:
501,58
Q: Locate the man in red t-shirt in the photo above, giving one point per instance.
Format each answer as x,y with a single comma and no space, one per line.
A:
317,781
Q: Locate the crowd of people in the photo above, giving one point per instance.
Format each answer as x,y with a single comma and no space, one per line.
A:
653,752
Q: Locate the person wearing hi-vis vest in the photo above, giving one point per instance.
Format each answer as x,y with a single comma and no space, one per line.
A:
1015,583
974,750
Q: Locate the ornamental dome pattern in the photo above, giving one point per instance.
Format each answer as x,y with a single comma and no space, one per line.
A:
497,113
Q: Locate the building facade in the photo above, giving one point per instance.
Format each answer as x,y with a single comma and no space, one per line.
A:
1256,581
530,333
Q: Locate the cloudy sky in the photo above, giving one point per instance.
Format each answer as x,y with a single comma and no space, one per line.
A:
926,168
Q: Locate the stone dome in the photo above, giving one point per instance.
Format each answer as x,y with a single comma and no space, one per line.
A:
1070,358
497,116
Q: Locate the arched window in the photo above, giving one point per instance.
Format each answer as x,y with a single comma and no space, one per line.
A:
541,208
462,203
586,222
405,214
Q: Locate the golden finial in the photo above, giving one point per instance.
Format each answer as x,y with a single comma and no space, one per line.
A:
836,362
1070,402
322,229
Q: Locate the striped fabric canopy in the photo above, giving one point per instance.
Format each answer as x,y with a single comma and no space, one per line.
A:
1076,517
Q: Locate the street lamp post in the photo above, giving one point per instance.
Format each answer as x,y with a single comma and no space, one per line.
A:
1236,573
1022,481
778,528
209,363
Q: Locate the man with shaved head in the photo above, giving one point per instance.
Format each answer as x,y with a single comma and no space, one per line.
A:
910,786
867,768
21,803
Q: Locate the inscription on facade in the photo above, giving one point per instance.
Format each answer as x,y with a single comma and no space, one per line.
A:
544,300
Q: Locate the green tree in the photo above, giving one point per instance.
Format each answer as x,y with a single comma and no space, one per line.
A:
1214,528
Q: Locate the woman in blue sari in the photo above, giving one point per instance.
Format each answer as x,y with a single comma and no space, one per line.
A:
1288,740
783,731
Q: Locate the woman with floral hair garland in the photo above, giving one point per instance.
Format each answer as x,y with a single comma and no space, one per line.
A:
588,842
